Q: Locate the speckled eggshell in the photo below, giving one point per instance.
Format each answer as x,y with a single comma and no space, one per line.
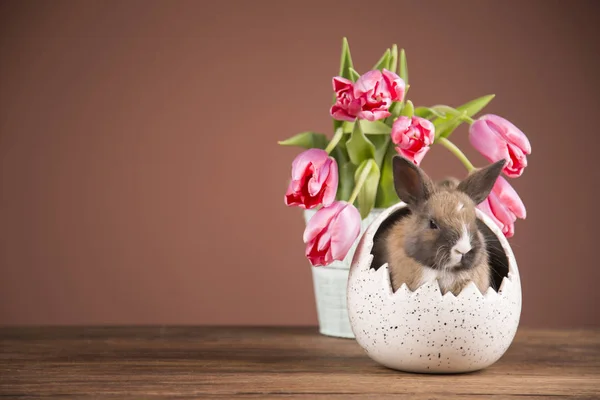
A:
423,331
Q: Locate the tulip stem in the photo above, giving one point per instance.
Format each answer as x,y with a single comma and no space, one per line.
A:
457,152
360,183
339,133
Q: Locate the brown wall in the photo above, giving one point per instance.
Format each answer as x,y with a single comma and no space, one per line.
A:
141,181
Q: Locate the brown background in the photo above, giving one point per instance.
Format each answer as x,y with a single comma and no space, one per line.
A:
141,181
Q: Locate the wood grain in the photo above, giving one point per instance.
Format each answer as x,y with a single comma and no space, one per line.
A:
256,363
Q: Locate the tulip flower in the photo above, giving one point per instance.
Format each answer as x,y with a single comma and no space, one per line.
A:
346,107
412,137
314,180
504,206
331,232
370,97
496,138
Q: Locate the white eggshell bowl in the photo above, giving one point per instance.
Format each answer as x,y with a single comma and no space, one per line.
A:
423,331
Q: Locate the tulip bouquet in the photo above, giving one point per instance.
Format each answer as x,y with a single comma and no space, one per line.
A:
345,177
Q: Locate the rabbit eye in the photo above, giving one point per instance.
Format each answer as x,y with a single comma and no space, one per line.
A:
432,224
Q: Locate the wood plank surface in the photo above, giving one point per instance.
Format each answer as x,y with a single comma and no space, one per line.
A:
286,363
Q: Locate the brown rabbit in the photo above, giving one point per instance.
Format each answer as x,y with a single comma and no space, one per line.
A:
439,238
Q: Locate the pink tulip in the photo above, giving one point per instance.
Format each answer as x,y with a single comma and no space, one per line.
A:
369,98
394,85
314,180
346,107
331,232
504,206
412,137
496,138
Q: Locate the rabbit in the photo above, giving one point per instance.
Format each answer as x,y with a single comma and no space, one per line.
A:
439,238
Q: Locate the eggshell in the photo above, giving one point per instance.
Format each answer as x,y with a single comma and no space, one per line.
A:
423,331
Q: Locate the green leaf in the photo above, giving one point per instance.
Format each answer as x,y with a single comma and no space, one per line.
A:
354,75
348,126
386,192
474,106
381,143
375,127
340,153
384,61
408,110
425,112
346,180
394,59
395,110
359,147
428,113
367,174
345,60
307,140
443,109
403,67
445,126
368,127
440,111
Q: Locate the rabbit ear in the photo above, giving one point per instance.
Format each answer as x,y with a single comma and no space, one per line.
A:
412,185
479,184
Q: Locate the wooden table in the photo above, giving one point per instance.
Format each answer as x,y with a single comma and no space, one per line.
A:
290,363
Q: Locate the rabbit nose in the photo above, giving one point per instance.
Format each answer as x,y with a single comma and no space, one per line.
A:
462,250
463,246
